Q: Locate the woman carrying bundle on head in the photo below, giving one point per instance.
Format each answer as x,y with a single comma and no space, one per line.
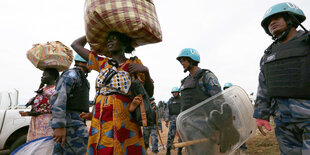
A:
113,127
41,112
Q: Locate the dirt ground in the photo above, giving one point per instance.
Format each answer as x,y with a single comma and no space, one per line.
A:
164,137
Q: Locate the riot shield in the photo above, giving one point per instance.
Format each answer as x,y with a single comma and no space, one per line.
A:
37,146
218,125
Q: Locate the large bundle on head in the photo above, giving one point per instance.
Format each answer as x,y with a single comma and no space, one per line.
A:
135,18
50,55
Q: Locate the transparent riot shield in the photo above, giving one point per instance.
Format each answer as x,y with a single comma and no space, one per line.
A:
218,125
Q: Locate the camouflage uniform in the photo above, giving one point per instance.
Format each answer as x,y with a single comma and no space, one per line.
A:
76,129
172,125
291,117
152,130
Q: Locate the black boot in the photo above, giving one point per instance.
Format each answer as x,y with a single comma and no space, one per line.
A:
168,152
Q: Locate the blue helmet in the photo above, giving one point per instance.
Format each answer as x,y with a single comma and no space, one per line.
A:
281,8
227,85
190,53
152,98
79,58
175,89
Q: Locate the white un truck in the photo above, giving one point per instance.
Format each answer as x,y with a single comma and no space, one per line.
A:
13,127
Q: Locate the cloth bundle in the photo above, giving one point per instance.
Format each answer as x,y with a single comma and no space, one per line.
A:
50,55
39,146
135,18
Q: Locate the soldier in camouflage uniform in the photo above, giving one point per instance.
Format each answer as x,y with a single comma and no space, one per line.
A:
200,84
152,130
172,111
284,80
71,98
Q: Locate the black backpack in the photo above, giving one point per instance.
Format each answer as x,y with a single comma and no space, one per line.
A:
147,116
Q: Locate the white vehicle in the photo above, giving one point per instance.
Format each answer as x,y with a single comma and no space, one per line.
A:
13,127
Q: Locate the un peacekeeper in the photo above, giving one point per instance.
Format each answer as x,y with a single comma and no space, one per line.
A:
152,130
71,98
200,84
172,111
284,80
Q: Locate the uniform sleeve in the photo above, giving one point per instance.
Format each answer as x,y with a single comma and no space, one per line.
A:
263,101
166,111
59,99
211,84
96,62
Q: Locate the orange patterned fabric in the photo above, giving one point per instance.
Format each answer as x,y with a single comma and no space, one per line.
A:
135,18
113,128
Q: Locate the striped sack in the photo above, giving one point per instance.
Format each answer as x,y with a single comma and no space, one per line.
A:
135,18
50,55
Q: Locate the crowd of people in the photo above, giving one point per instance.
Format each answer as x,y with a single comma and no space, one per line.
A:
61,107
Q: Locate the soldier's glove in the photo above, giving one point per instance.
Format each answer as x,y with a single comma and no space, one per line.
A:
223,121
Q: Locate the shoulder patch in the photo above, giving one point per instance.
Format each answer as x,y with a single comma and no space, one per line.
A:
214,82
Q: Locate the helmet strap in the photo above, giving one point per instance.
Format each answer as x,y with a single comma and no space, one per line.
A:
284,34
297,21
86,74
189,67
287,31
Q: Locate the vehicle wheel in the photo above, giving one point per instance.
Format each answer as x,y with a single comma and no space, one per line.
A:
18,142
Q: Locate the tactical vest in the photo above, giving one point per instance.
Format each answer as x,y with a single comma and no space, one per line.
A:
191,93
287,69
174,106
79,95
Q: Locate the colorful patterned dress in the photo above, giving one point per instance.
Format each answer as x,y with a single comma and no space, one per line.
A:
39,124
113,128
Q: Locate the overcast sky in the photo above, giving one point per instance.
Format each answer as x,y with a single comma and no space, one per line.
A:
227,35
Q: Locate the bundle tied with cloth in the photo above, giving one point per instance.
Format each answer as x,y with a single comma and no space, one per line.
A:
52,54
135,18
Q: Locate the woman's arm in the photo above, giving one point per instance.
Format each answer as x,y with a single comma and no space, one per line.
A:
78,46
148,84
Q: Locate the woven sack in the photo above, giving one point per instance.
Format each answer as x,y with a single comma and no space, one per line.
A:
135,18
50,55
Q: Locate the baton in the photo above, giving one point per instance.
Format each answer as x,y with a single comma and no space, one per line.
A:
158,131
188,143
